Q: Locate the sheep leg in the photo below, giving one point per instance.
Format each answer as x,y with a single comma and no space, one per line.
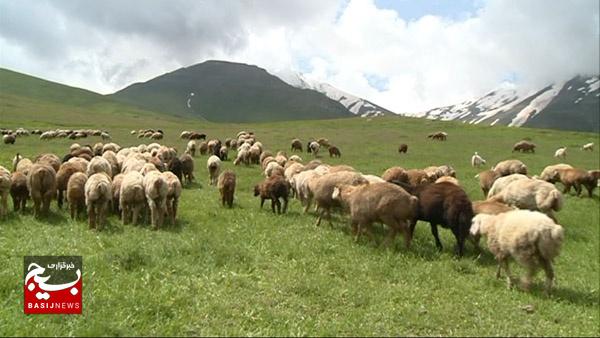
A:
547,265
320,216
526,280
60,199
578,189
262,202
285,204
102,208
434,232
509,278
124,212
356,229
406,232
91,216
23,204
567,188
16,204
175,204
460,242
413,224
73,209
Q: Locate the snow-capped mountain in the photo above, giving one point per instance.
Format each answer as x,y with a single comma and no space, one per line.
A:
354,104
570,105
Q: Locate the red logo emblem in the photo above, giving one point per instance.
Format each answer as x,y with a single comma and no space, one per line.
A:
53,284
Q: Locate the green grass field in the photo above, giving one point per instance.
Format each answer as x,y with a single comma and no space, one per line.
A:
246,271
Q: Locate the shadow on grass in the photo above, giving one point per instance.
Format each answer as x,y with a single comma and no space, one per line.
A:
572,296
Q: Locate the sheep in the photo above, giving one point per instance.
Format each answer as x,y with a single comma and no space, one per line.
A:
41,183
273,168
433,172
294,158
322,190
203,147
117,181
296,145
21,164
312,164
132,164
490,207
447,205
223,153
148,167
334,152
486,180
281,160
99,164
395,174
314,148
373,179
255,152
173,193
62,178
19,191
440,135
266,161
49,159
233,144
379,202
176,167
132,197
98,194
9,139
418,177
105,136
299,183
111,157
403,148
156,190
550,173
588,146
185,134
561,153
243,156
502,182
477,161
76,193
226,185
448,179
213,164
323,142
191,148
595,174
577,178
156,136
111,146
157,163
5,184
197,136
341,167
531,194
508,167
273,188
524,146
530,237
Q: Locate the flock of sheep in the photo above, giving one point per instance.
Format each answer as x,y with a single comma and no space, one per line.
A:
517,214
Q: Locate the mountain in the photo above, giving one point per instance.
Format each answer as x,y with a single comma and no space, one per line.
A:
354,104
569,105
229,92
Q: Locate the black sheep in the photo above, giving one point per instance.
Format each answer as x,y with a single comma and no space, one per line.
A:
176,168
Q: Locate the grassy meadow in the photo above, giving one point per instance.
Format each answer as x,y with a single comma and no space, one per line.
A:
246,271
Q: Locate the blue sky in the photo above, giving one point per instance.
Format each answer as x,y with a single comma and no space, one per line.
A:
414,9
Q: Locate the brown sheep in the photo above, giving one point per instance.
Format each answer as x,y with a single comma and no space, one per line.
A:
577,178
41,183
226,185
76,193
173,193
509,167
322,190
334,152
296,145
19,191
395,174
265,154
187,168
273,188
403,148
49,159
486,180
203,147
341,167
418,177
490,207
116,189
5,184
524,146
440,135
62,178
98,194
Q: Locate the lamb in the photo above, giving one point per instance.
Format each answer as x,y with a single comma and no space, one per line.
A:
99,164
273,188
19,191
41,183
226,185
156,190
508,167
173,193
524,146
62,178
486,180
477,161
577,178
76,193
502,182
550,173
530,237
296,145
588,146
561,153
98,194
9,139
5,184
379,202
395,174
334,152
403,148
322,190
531,194
314,148
213,164
447,205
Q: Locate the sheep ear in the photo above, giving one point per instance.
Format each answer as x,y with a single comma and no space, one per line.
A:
336,193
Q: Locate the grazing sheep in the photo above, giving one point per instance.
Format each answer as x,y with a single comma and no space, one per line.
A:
148,167
294,158
341,167
588,146
21,164
299,183
296,145
440,135
561,153
185,134
132,164
176,167
49,159
117,181
577,178
550,173
99,164
173,193
226,185
323,142
62,178
373,179
5,184
98,194
490,207
273,188
509,167
156,190
19,191
447,205
418,177
105,136
223,153
448,179
322,190
203,147
403,148
41,183
281,159
477,161
502,182
486,180
314,148
595,175
191,148
266,161
213,164
9,139
156,136
395,174
197,136
273,168
157,163
132,197
243,156
379,202
255,152
112,147
334,152
530,237
76,193
312,165
531,194
524,146
111,157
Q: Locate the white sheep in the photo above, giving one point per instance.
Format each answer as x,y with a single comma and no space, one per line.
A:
477,161
99,164
530,237
533,195
173,193
156,189
314,148
550,173
273,168
501,183
213,164
191,148
98,195
588,146
132,197
295,158
561,153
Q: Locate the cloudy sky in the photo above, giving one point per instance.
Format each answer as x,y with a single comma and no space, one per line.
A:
406,55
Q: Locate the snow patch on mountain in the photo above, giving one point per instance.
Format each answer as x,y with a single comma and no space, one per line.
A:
536,105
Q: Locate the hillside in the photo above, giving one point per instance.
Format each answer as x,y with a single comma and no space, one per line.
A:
569,105
229,92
